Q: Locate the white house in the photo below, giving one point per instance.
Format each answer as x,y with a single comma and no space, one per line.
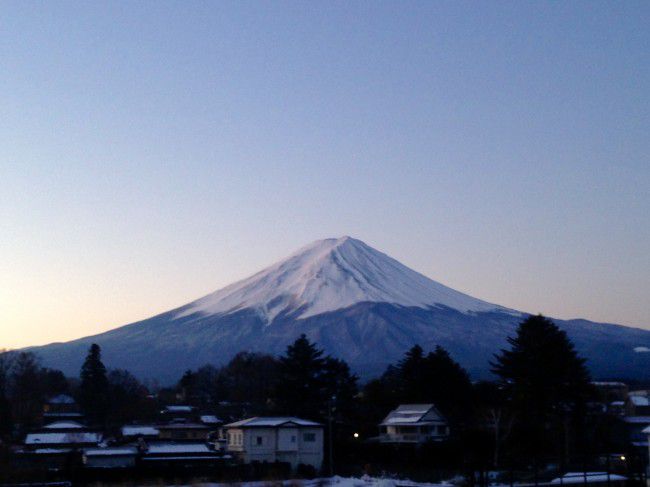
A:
278,439
413,423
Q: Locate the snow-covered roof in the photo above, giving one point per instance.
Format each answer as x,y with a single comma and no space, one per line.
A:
139,430
63,425
210,419
51,451
410,414
61,399
183,426
580,477
647,430
172,448
178,409
640,400
271,422
637,419
62,438
51,414
107,452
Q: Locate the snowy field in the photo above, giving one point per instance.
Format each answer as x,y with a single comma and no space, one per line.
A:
327,482
366,481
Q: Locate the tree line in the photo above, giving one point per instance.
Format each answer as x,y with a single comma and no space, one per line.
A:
536,405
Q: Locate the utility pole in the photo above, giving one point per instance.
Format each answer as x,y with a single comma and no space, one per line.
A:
330,421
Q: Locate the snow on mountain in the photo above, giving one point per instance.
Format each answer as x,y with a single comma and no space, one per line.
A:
332,274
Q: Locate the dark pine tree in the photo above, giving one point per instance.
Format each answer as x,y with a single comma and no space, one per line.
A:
412,381
448,386
547,385
340,386
251,378
187,386
93,389
26,389
299,390
6,423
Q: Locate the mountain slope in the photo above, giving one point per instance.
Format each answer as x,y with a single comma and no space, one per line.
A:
333,274
356,302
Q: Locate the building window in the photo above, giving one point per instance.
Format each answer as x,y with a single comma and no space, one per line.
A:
309,437
258,440
293,439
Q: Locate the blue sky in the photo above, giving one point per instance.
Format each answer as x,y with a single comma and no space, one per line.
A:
151,152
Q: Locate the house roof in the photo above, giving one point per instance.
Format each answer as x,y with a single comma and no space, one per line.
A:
76,437
178,409
640,400
581,477
61,399
637,419
110,452
183,426
647,430
406,414
48,451
51,414
272,422
139,430
176,448
210,419
63,425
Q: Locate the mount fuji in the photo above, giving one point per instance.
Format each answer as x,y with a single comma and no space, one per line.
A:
357,303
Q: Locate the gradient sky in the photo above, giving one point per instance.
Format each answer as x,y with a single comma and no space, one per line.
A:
152,152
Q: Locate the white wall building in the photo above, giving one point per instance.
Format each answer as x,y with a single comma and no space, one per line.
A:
413,423
285,439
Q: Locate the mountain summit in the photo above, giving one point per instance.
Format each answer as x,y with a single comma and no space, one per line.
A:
357,303
332,274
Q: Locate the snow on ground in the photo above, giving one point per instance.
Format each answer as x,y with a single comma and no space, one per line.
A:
333,274
336,481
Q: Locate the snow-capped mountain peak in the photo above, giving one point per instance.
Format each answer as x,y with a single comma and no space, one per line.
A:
332,274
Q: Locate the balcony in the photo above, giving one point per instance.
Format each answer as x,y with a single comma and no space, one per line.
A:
408,437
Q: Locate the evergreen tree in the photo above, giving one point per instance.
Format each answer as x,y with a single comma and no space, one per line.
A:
26,389
300,387
341,385
432,378
54,382
412,373
448,386
93,389
546,383
129,399
252,378
186,387
6,423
